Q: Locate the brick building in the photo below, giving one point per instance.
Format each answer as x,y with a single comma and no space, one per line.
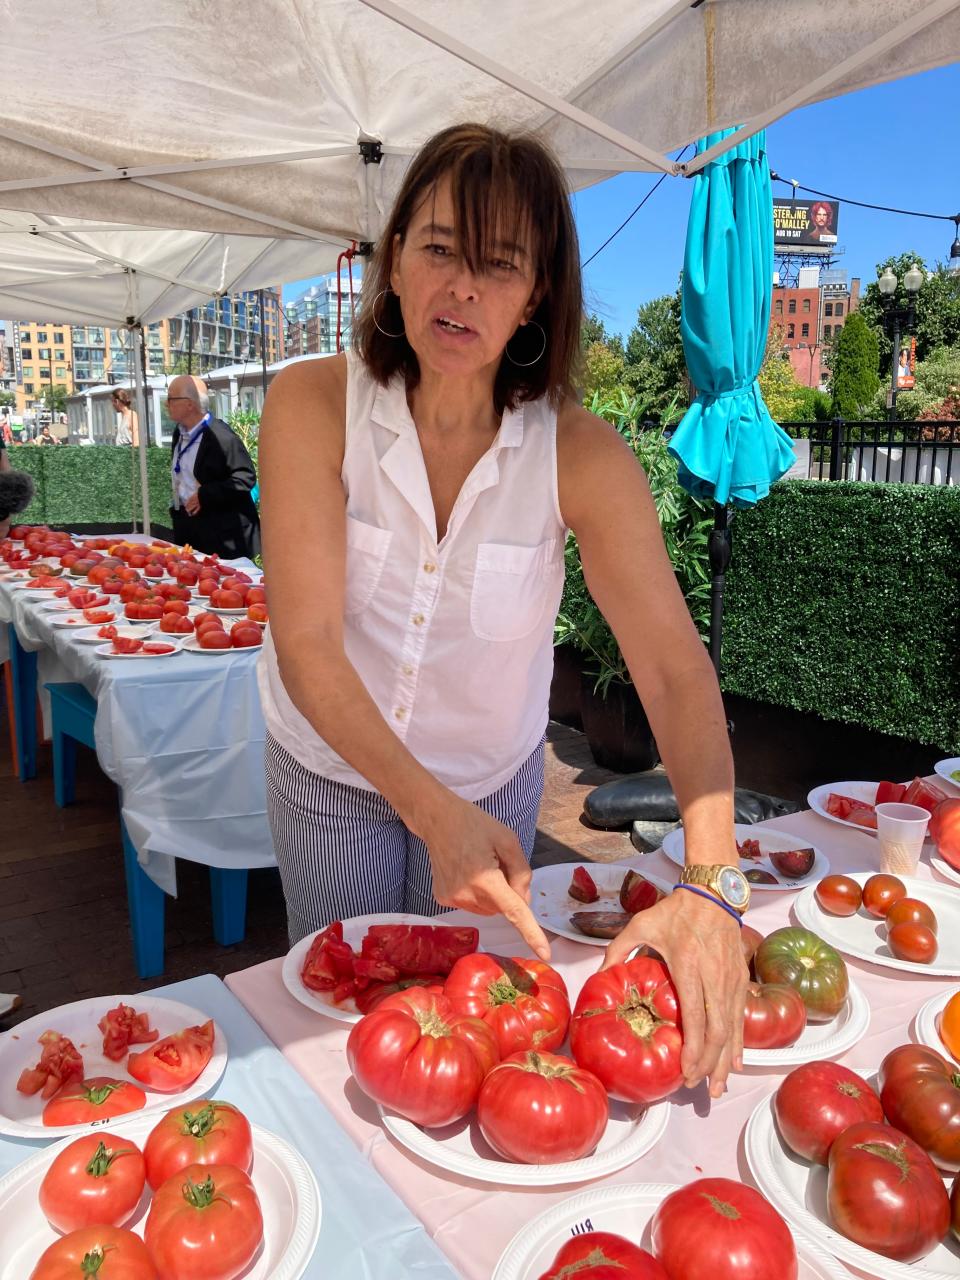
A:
810,316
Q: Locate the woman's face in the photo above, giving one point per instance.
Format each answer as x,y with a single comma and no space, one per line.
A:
459,323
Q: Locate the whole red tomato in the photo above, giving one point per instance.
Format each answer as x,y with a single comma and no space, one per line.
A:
95,1099
920,1093
175,1061
95,1181
106,1253
213,638
884,1193
216,1134
626,1030
245,635
416,1054
811,966
204,1223
911,911
880,893
816,1102
523,1001
913,942
945,831
775,1016
718,1229
838,895
541,1108
601,1255
176,606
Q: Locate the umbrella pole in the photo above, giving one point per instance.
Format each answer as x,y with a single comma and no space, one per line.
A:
719,554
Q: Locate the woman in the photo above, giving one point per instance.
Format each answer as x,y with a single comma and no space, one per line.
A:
128,428
415,500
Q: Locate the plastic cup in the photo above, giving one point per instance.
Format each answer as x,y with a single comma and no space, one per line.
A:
901,829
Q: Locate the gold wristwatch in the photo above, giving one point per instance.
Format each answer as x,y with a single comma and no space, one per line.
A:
728,883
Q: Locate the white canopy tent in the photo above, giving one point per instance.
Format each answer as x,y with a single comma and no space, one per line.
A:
153,155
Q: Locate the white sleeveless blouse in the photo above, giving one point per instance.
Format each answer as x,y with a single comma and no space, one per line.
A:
453,640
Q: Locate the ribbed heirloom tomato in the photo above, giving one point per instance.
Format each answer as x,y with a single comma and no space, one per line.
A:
523,1001
96,1253
809,965
216,1133
601,1255
920,1093
718,1229
205,1223
95,1181
541,1108
816,1102
416,1054
775,1016
626,1030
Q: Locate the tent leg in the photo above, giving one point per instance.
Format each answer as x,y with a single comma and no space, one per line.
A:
144,424
719,553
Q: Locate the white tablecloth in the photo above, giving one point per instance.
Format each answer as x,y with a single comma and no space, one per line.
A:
182,738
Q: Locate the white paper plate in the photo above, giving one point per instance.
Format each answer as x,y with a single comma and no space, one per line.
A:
799,1190
553,906
76,619
770,842
191,644
106,650
820,1040
354,931
865,938
627,1211
284,1183
927,1024
944,869
127,629
64,606
461,1149
227,613
20,1115
944,768
866,791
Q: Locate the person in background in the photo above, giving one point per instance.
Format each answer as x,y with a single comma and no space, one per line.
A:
128,425
46,436
212,476
6,434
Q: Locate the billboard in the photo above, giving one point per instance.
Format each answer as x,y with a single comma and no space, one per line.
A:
809,224
906,368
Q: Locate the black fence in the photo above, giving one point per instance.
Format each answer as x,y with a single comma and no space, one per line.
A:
898,452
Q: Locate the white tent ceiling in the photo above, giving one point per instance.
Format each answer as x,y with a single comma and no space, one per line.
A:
207,146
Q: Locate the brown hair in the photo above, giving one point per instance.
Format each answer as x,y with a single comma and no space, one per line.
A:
494,176
123,395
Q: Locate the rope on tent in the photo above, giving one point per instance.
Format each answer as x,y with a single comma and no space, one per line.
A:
348,255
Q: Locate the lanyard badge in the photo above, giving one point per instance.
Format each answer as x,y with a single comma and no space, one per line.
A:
185,448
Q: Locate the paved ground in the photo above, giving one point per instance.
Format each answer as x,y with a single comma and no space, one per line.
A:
63,914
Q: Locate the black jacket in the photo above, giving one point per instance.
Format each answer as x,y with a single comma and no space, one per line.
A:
228,523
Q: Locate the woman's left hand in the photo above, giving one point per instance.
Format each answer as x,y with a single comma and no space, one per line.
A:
700,945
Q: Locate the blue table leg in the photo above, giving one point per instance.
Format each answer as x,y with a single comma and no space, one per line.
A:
146,904
228,892
64,769
23,663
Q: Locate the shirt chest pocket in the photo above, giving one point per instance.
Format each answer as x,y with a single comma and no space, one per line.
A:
511,586
367,548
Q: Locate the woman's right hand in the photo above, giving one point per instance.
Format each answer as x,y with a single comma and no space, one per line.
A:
479,866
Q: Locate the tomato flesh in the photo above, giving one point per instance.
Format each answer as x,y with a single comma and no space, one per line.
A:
175,1061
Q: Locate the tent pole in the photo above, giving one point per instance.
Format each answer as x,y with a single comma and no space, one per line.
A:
719,554
190,341
263,350
138,368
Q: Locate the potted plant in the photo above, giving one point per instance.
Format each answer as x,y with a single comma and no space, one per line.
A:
613,717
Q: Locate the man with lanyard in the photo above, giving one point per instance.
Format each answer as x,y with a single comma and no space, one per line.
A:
212,476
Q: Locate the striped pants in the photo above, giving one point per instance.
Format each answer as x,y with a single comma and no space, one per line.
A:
344,852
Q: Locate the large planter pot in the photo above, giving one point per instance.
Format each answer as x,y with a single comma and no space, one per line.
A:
565,686
617,729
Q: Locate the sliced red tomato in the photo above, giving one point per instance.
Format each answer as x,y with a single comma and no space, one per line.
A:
98,615
102,1253
95,1099
121,1028
217,1133
851,810
890,793
157,647
95,1181
419,948
329,963
205,1223
925,794
175,1061
583,887
108,632
524,1001
126,644
59,1063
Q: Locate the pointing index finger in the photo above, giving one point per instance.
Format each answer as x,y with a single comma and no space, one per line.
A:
513,908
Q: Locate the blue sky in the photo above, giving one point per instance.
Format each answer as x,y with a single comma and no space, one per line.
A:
895,144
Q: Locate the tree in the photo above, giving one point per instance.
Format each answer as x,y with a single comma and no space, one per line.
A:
937,380
603,370
655,366
7,400
779,385
54,399
853,370
937,309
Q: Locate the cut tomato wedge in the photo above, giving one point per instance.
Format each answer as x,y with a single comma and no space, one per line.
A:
121,1028
60,1062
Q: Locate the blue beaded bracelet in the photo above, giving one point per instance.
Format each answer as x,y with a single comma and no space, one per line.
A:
712,898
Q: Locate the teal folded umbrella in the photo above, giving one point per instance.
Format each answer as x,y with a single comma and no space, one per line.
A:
727,446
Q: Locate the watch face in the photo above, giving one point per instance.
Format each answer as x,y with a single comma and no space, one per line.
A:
734,887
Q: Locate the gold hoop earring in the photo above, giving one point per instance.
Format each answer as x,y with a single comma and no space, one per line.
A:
402,333
526,364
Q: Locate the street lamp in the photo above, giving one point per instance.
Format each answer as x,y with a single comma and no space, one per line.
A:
894,317
953,266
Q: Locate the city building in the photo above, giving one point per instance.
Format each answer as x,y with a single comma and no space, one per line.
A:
312,318
810,316
223,332
8,378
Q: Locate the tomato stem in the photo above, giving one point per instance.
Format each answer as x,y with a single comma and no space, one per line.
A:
199,1125
502,991
93,1261
556,1070
595,1258
201,1195
102,1159
98,1095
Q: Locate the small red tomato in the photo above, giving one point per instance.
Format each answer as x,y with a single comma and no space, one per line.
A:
257,612
838,895
911,911
881,892
913,942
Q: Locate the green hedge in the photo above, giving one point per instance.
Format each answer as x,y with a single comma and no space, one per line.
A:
93,484
844,599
